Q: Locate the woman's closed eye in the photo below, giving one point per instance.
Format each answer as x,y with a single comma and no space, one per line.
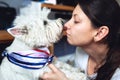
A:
76,22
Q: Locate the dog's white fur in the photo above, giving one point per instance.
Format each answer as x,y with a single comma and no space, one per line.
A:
31,32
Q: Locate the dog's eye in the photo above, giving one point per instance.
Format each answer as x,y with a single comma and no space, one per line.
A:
45,22
24,30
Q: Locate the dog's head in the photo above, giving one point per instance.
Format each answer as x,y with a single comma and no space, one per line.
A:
36,31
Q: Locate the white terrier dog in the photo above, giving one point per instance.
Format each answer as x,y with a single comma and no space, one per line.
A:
27,57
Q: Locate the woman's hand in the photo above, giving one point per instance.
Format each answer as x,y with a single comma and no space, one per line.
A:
55,74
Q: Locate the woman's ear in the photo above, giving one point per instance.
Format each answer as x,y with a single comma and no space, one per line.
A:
101,33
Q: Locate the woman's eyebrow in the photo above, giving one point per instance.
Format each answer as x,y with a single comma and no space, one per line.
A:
74,15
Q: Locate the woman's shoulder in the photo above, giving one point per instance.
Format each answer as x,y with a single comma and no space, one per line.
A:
116,75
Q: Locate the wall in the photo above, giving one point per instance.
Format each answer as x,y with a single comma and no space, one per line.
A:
16,3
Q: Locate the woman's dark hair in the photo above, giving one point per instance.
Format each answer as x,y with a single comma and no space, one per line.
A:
106,13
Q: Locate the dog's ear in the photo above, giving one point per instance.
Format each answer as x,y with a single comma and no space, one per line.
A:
16,31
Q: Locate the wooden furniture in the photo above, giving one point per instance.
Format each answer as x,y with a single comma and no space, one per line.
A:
5,37
5,40
58,7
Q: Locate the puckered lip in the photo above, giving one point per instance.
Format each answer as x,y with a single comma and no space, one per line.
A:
67,34
64,28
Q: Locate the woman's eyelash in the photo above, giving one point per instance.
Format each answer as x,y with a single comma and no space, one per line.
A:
76,21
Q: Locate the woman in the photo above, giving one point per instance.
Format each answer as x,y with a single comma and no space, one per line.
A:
95,28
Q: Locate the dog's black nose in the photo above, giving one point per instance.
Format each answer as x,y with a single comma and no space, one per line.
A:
45,22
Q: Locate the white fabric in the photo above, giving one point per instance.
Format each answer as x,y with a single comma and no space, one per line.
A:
116,75
81,60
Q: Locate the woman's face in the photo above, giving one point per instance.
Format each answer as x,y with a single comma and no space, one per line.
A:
80,31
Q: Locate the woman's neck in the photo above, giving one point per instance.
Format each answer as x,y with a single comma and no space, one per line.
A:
97,56
97,52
